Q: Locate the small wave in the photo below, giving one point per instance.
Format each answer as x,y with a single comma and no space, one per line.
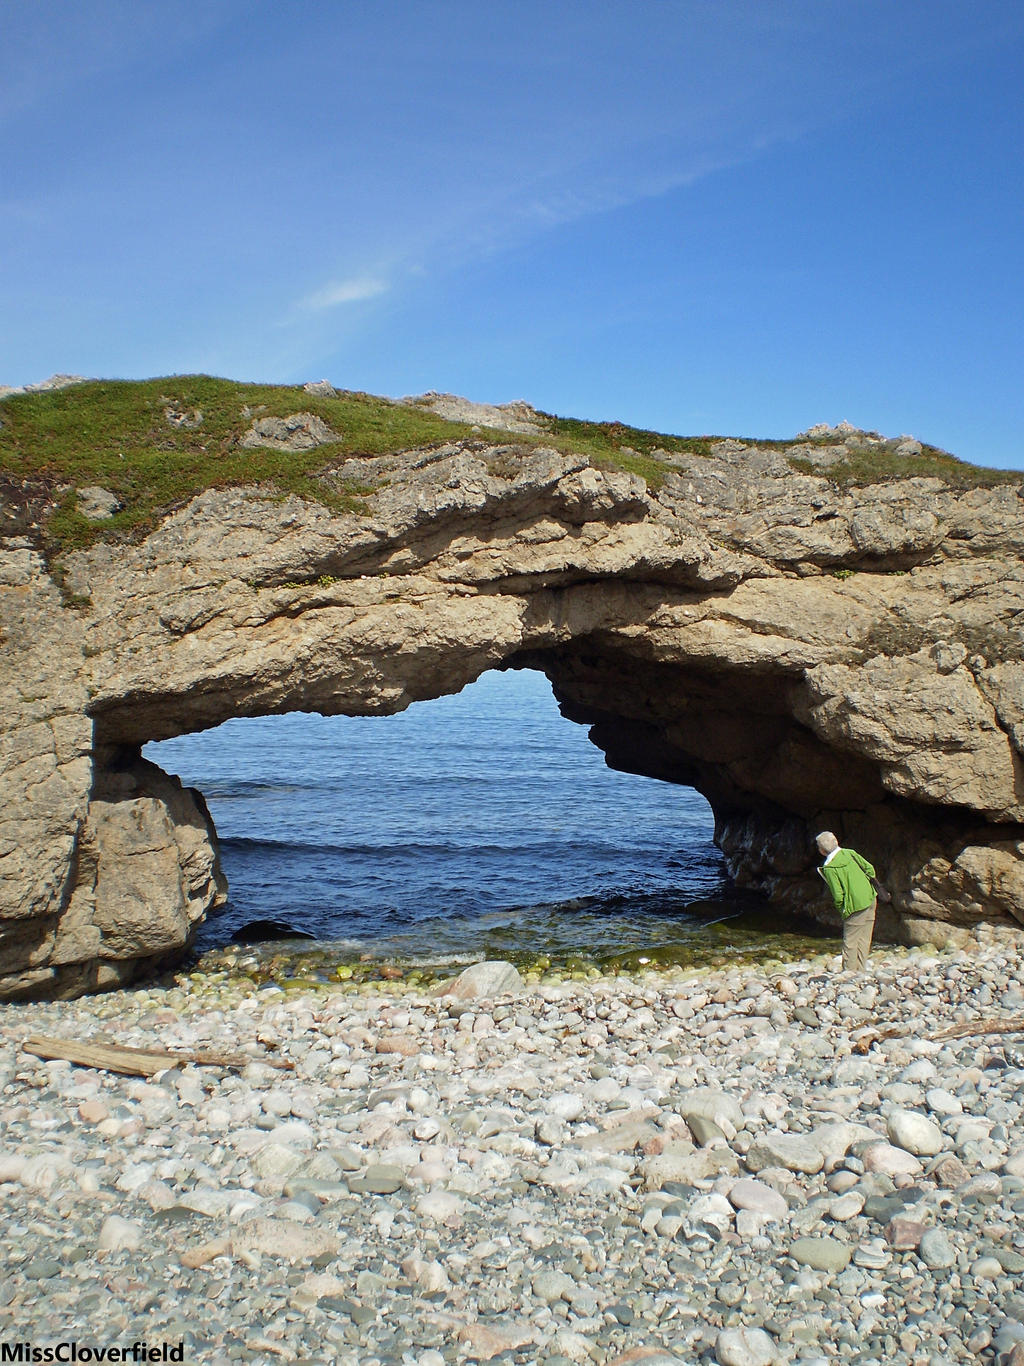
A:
388,850
244,788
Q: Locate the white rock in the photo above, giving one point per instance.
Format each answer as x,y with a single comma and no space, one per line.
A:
607,1178
119,1234
11,1166
429,1173
45,1170
720,1108
846,1206
274,1160
702,1165
430,1276
759,1198
712,1209
294,1134
134,1177
891,1161
942,1102
920,1071
745,1347
914,1133
214,1203
439,1205
277,1102
835,1140
604,1091
749,1224
576,1346
565,1105
492,978
794,1152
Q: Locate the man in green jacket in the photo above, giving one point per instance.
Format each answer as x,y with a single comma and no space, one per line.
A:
848,878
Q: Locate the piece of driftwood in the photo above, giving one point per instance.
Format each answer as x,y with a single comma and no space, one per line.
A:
957,1031
137,1062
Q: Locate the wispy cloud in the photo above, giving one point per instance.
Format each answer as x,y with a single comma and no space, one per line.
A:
352,291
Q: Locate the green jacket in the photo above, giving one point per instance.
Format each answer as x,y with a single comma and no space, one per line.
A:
846,875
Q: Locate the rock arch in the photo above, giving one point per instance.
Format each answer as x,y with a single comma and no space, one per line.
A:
801,655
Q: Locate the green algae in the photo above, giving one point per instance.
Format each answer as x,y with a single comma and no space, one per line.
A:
753,939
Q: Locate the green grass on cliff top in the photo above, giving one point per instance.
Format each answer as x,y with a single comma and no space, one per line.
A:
117,434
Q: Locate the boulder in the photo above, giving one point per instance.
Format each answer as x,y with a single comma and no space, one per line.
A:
483,980
97,504
297,432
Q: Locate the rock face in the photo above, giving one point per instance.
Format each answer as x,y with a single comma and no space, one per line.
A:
505,417
805,656
298,432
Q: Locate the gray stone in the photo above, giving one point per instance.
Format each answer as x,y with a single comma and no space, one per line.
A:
935,1250
986,1268
705,1102
348,1159
284,1238
97,504
510,417
823,1254
41,1269
380,1179
184,419
297,432
704,1131
552,1285
277,1159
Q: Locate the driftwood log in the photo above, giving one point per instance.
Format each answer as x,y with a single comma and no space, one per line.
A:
137,1062
957,1031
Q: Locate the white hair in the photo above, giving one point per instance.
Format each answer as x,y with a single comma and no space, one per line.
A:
826,842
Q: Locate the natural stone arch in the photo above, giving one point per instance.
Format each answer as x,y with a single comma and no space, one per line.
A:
700,629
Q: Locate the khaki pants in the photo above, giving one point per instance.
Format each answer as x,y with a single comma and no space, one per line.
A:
857,930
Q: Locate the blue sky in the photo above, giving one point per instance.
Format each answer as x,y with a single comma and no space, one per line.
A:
736,216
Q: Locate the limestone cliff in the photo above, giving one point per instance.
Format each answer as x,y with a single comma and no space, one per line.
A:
804,651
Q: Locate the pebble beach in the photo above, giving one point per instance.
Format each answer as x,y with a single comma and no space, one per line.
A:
725,1166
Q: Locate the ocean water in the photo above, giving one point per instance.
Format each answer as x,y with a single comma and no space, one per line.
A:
481,824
